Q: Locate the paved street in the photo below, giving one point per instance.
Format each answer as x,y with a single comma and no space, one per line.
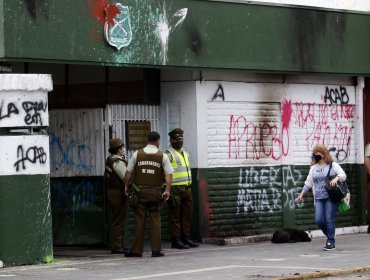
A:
262,260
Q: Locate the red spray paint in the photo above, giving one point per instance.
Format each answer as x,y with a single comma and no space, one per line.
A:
103,12
286,115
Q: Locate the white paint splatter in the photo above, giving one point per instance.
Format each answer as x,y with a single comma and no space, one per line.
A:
167,24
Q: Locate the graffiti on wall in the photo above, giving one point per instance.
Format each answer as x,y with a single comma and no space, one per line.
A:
258,140
71,155
336,95
30,155
219,94
24,155
265,189
330,124
26,113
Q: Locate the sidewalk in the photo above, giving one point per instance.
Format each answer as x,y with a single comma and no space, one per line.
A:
250,259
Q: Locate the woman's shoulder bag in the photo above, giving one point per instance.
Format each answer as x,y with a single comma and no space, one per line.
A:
337,192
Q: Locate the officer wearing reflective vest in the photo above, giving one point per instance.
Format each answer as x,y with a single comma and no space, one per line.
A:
181,200
115,169
147,168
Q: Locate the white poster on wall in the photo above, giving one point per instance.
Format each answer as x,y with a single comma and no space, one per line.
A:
19,109
24,155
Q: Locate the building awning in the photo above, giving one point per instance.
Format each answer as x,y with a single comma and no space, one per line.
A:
186,33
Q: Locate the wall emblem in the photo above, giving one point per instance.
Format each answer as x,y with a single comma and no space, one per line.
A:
117,27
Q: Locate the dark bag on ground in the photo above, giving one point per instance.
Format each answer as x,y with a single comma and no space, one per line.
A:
337,192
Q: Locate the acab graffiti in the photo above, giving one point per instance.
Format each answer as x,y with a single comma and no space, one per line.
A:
32,155
26,154
265,189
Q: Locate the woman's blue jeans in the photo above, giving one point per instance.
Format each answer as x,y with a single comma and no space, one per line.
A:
325,214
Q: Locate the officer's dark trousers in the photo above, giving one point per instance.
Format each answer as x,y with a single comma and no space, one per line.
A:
180,211
119,210
148,202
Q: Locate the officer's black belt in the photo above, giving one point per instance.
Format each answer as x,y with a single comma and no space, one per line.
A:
181,187
149,187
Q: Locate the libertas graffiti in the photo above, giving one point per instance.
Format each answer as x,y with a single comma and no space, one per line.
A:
264,189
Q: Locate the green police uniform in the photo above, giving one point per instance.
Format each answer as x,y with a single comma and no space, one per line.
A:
116,200
148,175
181,200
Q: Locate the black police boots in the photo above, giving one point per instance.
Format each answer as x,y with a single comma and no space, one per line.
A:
189,242
178,244
157,254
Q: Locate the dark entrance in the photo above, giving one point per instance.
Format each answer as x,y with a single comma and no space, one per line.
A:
367,138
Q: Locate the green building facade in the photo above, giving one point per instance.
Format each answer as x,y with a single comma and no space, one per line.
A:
254,86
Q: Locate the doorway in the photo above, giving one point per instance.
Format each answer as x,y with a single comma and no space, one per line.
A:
367,139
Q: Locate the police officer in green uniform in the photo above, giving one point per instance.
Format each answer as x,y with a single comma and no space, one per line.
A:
181,200
146,168
115,170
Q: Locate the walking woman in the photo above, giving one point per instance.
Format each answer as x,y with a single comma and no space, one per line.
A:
325,209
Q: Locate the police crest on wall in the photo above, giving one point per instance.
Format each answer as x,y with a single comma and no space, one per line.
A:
117,27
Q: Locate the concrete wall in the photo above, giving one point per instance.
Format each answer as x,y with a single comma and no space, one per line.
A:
25,210
179,109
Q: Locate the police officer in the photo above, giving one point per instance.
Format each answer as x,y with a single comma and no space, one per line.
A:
181,200
146,168
115,169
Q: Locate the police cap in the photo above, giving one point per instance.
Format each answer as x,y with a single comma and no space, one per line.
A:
115,143
176,133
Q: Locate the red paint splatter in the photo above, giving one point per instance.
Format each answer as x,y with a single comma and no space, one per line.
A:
103,11
98,9
111,11
205,209
286,113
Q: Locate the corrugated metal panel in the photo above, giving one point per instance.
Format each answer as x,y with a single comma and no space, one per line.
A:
76,143
117,115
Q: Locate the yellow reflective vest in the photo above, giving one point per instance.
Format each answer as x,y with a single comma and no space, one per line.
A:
181,166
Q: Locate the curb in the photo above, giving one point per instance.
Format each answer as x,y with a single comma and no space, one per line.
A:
339,231
325,274
243,240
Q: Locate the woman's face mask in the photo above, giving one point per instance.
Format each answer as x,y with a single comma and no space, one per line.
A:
317,157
